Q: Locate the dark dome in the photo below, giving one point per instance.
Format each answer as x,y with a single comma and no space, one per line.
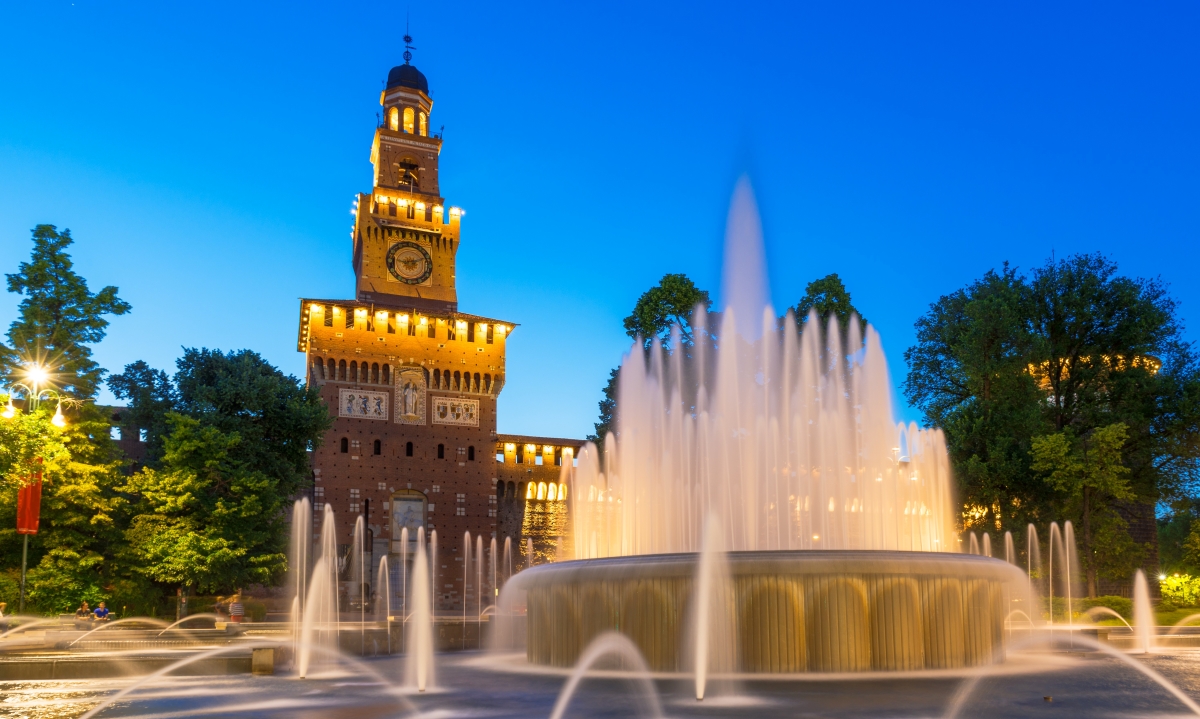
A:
407,76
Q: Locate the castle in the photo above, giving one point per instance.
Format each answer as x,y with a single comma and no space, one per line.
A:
412,382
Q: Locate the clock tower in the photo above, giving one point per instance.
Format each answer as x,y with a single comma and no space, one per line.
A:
412,383
405,238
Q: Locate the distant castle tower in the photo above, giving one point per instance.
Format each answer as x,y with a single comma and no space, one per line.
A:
411,382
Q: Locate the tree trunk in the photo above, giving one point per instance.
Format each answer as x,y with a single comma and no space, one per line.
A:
1087,542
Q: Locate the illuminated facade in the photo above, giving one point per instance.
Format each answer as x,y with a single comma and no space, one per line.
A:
411,381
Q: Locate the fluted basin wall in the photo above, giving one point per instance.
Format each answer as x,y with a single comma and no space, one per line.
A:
801,611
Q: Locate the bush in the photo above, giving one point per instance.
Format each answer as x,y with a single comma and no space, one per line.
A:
1181,590
1120,605
1166,607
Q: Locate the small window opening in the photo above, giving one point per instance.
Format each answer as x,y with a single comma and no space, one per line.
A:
408,120
470,331
408,449
394,119
471,454
378,447
345,445
499,457
490,333
441,451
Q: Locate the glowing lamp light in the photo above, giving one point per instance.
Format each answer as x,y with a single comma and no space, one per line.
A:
437,208
58,420
37,374
816,537
10,411
1161,577
420,205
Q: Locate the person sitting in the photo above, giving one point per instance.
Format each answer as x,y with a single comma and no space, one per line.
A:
83,616
101,613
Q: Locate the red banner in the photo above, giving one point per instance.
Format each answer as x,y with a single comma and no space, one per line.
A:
29,505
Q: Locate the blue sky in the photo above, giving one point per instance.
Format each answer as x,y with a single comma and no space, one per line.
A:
205,157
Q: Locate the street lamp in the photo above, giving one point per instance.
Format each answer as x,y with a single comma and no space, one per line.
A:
29,497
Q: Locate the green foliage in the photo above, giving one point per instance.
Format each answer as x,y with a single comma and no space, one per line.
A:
1073,466
1174,531
26,438
234,433
150,395
968,375
1182,590
1120,605
673,301
206,518
1072,346
59,316
828,296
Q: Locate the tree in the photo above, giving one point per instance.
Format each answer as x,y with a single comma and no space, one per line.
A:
968,374
672,302
235,434
207,520
151,396
1088,473
77,553
1072,346
828,296
59,316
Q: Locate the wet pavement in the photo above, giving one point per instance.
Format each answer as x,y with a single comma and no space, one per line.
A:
472,685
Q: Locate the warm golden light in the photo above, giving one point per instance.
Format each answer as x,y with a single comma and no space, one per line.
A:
531,493
562,492
58,420
315,308
37,375
9,411
420,205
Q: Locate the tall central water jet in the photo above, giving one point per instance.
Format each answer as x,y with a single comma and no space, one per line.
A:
787,435
783,430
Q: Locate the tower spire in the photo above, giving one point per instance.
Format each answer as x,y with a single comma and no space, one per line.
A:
408,48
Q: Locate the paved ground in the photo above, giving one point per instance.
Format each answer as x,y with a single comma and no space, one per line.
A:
1081,686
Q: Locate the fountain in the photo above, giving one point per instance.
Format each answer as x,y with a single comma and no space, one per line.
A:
838,520
420,665
1144,623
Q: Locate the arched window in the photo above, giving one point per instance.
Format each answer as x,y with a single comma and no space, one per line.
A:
487,383
541,490
375,373
531,491
378,447
345,445
562,492
408,120
424,125
457,381
471,453
387,374
476,388
499,490
552,491
331,372
512,490
354,370
408,449
437,379
342,370
394,119
441,451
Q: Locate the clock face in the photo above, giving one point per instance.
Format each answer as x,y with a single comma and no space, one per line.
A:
409,262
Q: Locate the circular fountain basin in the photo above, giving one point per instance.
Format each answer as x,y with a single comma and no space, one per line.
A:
780,611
